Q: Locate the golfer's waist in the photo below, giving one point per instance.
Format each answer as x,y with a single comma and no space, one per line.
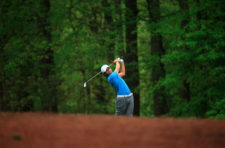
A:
120,96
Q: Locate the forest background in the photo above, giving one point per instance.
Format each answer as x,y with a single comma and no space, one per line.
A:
173,52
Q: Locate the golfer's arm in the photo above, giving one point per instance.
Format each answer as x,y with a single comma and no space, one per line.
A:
117,67
122,72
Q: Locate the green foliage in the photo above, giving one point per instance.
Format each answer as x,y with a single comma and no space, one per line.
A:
193,54
217,109
198,59
83,35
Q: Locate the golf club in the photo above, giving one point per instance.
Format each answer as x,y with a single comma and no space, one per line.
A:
85,83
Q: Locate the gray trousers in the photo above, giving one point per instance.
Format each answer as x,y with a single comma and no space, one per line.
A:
125,105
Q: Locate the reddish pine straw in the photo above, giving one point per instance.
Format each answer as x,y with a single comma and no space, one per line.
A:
47,130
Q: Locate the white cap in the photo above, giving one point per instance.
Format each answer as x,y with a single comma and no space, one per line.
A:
104,68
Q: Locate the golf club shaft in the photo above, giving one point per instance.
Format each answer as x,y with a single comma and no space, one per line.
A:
95,75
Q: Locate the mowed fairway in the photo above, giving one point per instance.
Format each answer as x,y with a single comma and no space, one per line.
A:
42,130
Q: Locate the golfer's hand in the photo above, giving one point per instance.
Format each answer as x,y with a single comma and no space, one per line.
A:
115,61
120,60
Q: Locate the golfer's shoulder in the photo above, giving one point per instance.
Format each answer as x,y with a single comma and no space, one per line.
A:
115,74
112,75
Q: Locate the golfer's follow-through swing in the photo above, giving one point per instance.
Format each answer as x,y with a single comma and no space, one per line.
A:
125,99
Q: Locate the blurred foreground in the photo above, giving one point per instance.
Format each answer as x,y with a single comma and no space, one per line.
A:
35,130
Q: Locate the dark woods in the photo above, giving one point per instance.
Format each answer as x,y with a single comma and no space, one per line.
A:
173,51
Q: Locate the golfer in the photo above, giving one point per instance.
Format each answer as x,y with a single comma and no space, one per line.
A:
125,99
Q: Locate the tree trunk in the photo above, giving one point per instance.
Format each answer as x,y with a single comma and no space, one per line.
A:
120,28
3,41
185,91
157,50
4,38
108,28
131,57
49,101
1,79
198,15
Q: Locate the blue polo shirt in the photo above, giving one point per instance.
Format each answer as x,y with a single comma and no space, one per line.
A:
118,84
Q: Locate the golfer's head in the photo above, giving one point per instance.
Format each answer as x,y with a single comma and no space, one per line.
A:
106,70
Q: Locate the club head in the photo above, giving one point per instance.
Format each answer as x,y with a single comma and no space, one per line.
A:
85,84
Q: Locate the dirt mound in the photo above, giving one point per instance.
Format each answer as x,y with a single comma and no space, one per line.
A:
33,130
